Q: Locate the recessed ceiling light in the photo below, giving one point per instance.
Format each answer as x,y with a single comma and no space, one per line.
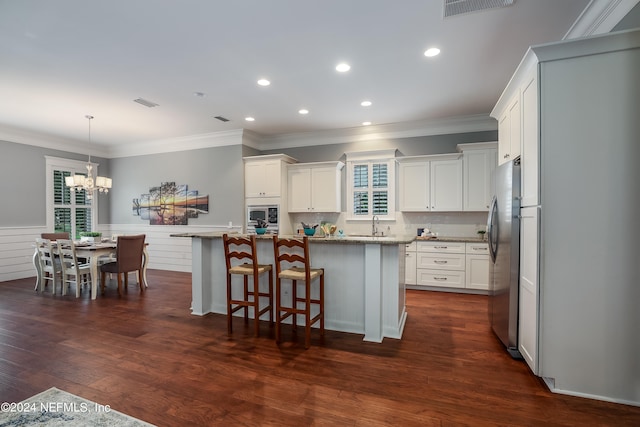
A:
365,103
303,111
431,52
366,123
199,94
264,82
343,67
249,119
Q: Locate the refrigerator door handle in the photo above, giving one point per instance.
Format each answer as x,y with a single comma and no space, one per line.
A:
492,230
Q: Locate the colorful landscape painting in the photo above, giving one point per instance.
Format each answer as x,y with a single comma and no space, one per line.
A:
170,204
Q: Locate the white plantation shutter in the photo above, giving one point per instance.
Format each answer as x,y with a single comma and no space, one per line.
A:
372,189
70,212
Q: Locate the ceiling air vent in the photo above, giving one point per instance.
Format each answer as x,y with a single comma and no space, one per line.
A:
459,7
222,119
146,103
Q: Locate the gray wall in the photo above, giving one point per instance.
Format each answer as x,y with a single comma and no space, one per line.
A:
216,171
423,145
22,184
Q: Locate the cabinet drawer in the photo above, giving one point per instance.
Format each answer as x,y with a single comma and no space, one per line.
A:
441,278
411,247
442,247
477,249
441,261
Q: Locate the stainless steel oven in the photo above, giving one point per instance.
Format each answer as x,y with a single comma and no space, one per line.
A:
268,213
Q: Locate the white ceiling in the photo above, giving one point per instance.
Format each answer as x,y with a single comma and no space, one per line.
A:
61,60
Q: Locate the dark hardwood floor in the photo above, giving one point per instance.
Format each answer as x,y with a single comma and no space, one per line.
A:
147,356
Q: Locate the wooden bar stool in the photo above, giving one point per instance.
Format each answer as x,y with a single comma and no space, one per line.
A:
295,252
251,268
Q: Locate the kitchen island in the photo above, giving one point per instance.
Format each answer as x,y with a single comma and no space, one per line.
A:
364,280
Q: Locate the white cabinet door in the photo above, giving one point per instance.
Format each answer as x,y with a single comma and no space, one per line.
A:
478,166
509,132
530,152
325,190
262,178
477,272
528,313
410,266
446,185
414,186
299,189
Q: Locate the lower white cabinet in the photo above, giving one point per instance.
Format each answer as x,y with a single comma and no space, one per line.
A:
454,265
477,266
410,264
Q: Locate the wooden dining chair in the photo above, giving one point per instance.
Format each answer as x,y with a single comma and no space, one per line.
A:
294,255
73,271
50,268
238,249
129,253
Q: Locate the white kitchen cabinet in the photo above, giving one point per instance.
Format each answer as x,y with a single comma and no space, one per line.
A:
410,264
414,186
314,187
446,185
440,264
509,125
528,295
477,266
430,183
478,163
263,175
530,152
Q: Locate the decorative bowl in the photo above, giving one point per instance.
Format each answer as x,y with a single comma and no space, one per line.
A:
261,230
309,231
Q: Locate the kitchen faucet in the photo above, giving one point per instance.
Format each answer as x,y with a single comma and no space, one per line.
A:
375,221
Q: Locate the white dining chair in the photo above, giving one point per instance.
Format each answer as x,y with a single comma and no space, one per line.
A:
50,268
72,270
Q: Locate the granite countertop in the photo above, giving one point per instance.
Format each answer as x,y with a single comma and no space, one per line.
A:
346,239
451,239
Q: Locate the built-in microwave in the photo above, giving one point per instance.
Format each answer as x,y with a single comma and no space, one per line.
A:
268,213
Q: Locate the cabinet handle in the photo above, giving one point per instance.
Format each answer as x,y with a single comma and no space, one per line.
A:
479,249
439,278
441,247
439,261
506,156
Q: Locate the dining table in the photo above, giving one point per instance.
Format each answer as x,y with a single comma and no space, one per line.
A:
93,252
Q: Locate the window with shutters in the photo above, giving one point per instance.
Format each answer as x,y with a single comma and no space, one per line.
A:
68,211
371,185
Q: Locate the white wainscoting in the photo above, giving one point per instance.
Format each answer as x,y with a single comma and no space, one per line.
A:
165,252
17,245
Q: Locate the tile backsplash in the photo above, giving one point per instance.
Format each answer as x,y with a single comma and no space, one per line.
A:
446,224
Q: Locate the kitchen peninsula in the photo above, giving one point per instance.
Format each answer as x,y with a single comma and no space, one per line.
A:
364,280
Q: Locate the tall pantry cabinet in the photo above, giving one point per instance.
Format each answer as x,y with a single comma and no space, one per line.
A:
579,140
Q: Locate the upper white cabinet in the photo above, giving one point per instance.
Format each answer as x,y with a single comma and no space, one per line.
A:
478,163
264,175
314,187
509,126
430,183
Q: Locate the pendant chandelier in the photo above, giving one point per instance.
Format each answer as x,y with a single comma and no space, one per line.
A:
88,183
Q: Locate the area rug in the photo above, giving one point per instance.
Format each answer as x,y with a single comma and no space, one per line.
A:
56,407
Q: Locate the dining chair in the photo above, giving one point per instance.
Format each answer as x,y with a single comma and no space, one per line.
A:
239,249
73,271
129,253
294,255
50,267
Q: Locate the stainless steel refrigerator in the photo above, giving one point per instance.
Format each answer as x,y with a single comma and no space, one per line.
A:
503,230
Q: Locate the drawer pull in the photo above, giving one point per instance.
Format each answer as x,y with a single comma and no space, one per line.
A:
439,278
479,249
441,247
440,261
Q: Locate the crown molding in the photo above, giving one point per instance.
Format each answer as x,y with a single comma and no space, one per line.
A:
476,123
599,17
183,143
30,137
